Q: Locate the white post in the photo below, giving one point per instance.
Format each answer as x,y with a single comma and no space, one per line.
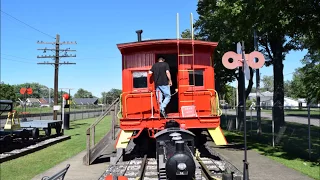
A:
151,105
272,127
191,22
62,114
309,132
237,103
178,26
234,98
49,98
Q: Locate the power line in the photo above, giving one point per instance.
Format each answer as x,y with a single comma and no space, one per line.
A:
27,24
15,56
101,58
15,60
288,73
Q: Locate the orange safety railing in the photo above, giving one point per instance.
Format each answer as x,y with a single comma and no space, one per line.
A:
214,100
140,95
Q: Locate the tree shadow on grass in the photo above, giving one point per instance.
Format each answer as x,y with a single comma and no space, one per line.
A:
314,116
78,125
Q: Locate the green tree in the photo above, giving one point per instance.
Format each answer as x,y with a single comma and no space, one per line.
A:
7,92
110,96
213,25
38,90
287,88
81,93
297,85
267,83
44,92
309,76
228,93
310,72
186,34
276,25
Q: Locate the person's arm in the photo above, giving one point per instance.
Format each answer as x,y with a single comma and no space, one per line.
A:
168,74
151,70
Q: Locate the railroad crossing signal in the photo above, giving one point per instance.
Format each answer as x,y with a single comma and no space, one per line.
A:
26,90
241,59
246,69
238,61
66,96
66,101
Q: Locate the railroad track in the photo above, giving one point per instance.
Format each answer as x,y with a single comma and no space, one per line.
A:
30,147
146,169
18,143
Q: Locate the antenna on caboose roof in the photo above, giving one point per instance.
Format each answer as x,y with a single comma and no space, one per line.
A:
178,34
191,30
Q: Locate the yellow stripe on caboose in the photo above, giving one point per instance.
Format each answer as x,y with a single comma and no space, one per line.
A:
217,136
123,140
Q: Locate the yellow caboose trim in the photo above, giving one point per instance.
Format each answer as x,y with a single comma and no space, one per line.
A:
123,140
217,136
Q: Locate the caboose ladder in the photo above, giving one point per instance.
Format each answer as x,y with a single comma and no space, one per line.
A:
180,56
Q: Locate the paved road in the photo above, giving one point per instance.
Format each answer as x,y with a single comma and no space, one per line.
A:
77,170
295,119
73,116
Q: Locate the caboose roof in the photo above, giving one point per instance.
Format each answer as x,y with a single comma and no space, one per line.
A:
152,42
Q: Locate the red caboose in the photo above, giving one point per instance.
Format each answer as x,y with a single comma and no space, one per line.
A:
194,102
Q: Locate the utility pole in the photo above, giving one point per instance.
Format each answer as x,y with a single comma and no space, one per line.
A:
257,85
56,64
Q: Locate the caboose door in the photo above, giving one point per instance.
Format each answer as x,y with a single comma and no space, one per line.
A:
171,59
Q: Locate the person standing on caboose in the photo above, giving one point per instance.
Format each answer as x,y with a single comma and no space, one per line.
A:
162,81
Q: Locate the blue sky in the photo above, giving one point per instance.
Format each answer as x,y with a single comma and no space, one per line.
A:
97,26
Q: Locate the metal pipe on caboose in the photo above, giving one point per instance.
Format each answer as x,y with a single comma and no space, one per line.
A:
151,105
139,32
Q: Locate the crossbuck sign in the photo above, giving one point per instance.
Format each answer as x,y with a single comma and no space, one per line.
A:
238,61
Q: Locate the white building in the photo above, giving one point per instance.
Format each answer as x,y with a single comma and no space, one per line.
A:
266,101
266,98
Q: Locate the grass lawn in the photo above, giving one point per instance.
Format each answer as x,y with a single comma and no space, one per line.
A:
28,166
292,150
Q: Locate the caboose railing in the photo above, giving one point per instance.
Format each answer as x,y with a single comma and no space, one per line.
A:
139,95
93,149
214,101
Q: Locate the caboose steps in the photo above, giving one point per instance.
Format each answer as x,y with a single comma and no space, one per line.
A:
107,145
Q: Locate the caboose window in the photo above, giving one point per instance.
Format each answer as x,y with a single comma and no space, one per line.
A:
139,79
198,77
